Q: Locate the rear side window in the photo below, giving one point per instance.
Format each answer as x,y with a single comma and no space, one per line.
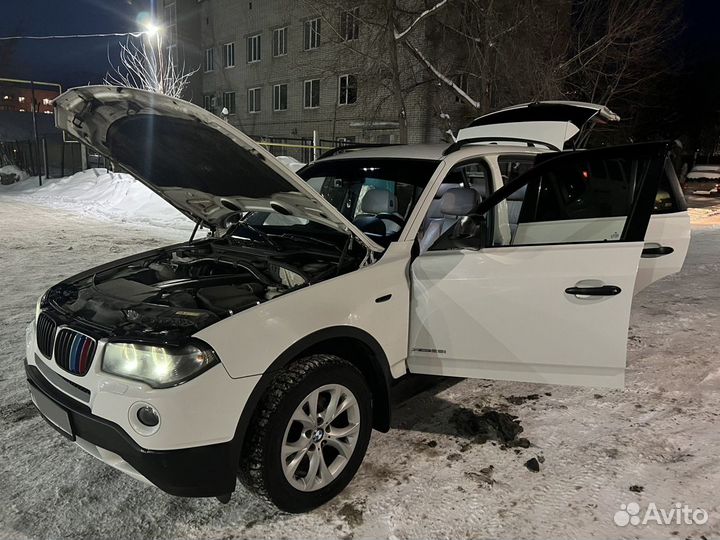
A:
513,166
584,190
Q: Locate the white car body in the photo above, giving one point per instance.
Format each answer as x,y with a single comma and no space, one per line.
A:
495,313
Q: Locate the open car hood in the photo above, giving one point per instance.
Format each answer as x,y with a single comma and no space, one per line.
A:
552,123
196,161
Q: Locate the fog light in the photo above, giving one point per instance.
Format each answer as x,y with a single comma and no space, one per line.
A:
144,418
147,416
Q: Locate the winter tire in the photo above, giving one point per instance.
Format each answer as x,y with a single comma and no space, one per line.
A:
309,434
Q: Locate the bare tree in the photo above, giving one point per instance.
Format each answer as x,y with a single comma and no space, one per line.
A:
146,64
618,48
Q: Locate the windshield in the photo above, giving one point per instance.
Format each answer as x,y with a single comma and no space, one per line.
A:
377,195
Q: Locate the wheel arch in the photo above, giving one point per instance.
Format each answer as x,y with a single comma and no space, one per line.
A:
348,342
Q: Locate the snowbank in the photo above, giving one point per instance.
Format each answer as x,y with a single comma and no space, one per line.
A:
9,174
101,194
106,195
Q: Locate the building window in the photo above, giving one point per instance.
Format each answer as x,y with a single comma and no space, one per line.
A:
312,94
254,100
21,99
461,81
280,41
229,55
350,24
347,85
209,103
253,48
209,59
312,34
229,102
280,97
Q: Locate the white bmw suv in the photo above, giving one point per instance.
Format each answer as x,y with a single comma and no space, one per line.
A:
266,351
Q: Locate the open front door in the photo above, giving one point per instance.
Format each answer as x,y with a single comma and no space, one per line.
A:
552,304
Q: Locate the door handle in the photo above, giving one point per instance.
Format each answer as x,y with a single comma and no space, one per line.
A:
604,290
656,251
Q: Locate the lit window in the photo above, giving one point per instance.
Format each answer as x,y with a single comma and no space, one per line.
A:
47,101
229,55
280,41
254,100
312,34
280,97
312,94
253,48
347,86
21,99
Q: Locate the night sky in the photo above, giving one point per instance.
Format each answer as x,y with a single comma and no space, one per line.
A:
694,93
70,62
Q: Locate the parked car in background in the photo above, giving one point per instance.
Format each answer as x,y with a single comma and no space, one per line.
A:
266,350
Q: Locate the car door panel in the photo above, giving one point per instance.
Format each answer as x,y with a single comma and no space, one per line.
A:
554,305
666,244
493,314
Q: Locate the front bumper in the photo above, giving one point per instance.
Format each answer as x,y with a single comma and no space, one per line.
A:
202,471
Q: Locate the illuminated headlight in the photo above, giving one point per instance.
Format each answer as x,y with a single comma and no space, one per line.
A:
160,367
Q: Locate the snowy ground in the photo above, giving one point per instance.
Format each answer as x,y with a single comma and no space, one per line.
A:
426,477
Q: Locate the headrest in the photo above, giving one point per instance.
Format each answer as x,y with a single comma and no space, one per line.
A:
434,210
459,201
443,189
379,201
518,195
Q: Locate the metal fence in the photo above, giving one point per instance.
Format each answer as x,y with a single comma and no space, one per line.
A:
47,158
54,158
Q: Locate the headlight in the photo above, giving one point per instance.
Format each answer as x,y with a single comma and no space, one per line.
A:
37,308
160,367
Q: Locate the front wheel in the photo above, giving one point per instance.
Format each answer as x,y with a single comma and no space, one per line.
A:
309,435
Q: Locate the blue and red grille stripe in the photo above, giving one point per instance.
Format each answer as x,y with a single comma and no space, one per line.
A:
84,354
74,351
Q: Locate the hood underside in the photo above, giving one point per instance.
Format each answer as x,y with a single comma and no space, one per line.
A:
196,161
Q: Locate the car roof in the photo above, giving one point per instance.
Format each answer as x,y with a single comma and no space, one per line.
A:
430,151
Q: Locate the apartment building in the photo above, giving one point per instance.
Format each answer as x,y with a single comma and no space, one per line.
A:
287,68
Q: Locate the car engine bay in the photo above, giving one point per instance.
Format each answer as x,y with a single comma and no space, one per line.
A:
176,291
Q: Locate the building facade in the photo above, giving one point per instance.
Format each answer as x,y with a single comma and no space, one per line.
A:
283,69
18,97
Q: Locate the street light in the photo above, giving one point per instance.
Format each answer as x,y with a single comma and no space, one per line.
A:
151,28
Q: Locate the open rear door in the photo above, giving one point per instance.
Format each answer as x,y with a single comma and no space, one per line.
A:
550,123
668,235
552,304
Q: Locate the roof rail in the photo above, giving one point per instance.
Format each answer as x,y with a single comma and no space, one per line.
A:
457,145
354,146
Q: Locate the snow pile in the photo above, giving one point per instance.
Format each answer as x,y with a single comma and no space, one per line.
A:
101,194
9,174
106,195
